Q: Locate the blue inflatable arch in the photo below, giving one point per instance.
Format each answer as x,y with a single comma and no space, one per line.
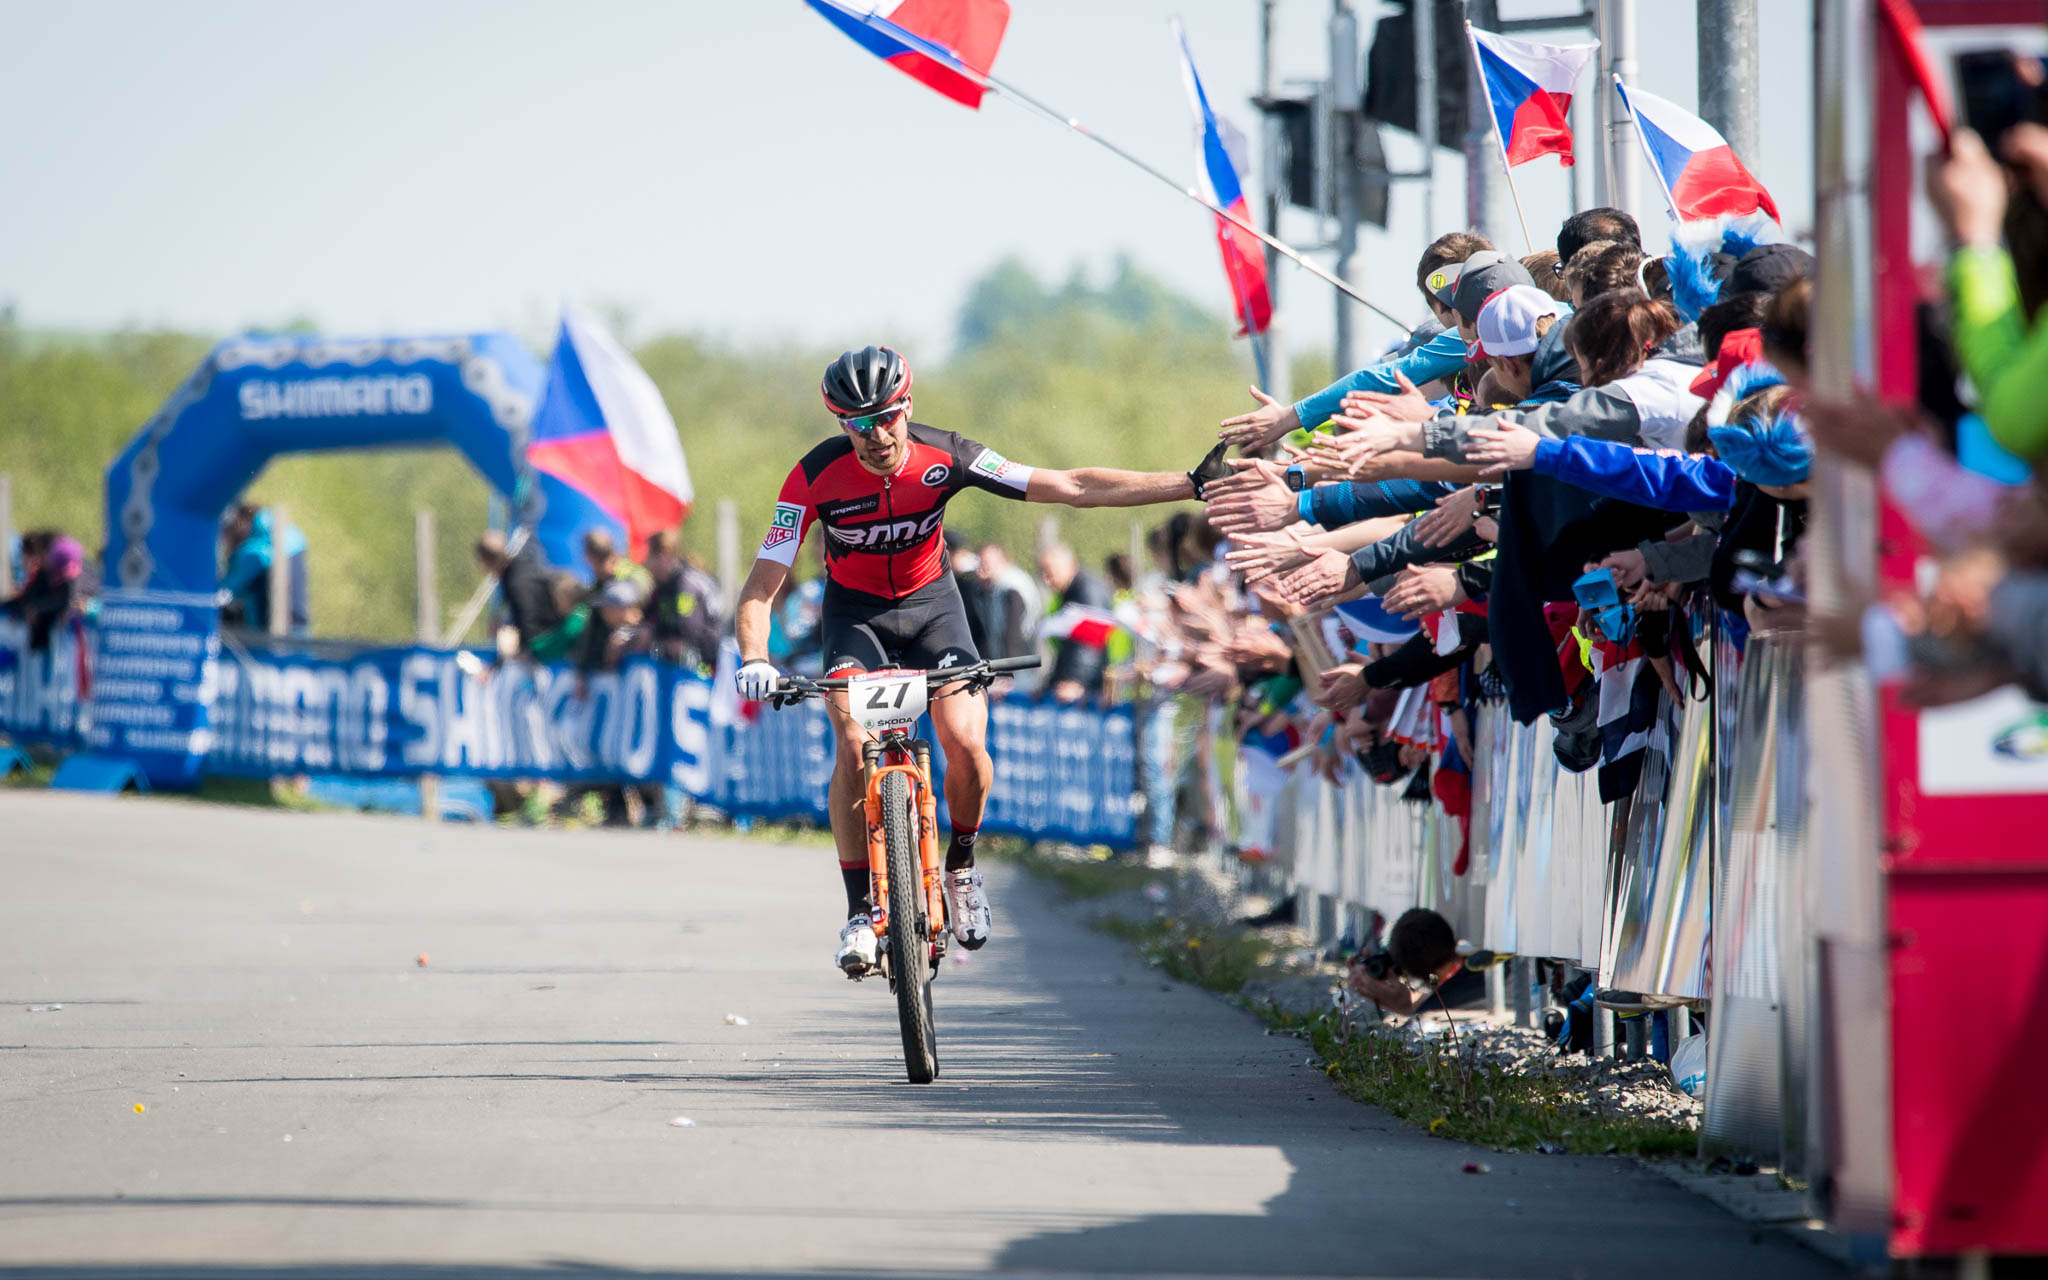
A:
253,399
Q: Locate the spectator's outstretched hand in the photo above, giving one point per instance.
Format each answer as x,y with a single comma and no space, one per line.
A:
1424,589
1858,429
1362,441
1502,449
1253,500
1273,604
1323,577
1343,687
1967,189
1406,405
2026,149
1261,427
1629,568
1260,555
1454,515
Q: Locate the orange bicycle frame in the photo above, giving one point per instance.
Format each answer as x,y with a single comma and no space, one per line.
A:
910,756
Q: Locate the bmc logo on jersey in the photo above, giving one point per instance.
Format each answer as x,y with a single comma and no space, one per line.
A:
788,519
887,535
936,475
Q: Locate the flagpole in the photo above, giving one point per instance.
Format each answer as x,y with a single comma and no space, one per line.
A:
1500,143
940,53
1280,247
1670,201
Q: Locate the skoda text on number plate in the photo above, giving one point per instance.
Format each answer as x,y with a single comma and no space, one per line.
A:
884,700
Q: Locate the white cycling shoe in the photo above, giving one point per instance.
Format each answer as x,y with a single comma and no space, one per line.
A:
967,904
858,949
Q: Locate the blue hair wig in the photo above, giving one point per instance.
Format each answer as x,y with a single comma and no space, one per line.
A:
1702,254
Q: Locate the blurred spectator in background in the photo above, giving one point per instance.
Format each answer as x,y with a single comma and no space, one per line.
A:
973,591
683,608
796,636
618,631
250,542
54,566
1014,608
1080,654
525,588
572,605
602,555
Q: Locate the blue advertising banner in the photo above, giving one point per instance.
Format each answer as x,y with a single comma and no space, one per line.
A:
165,691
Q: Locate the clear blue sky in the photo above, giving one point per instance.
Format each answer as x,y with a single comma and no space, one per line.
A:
730,167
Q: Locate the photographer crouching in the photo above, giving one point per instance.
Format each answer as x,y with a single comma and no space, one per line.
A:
1422,948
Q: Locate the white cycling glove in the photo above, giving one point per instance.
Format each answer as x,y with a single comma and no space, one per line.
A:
756,680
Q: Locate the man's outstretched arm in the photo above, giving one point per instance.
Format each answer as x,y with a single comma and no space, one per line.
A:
1105,487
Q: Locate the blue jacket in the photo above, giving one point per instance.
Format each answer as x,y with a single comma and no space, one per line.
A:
1440,357
1666,482
1348,502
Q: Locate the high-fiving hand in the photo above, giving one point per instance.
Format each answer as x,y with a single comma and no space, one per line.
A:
1262,426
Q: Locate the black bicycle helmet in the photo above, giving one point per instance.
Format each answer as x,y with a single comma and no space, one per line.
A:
865,381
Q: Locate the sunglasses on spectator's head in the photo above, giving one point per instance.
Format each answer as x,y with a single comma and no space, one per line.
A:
869,421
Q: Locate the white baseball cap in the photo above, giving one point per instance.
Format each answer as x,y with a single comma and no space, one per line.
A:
1507,323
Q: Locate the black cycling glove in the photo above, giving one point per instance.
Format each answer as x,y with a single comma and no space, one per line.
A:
1210,469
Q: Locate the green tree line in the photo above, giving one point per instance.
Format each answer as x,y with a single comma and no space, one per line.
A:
1119,374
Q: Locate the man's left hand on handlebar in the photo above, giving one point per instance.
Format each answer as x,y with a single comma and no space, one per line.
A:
756,680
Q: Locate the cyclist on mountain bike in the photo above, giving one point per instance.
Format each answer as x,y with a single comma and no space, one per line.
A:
880,488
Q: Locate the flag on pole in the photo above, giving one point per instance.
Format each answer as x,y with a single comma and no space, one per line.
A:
946,45
1244,257
1529,89
1702,177
603,431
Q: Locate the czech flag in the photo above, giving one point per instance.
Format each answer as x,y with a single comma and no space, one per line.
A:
1083,625
946,45
1244,257
606,441
1529,88
1700,173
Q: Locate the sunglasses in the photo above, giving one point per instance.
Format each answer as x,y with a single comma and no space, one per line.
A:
869,421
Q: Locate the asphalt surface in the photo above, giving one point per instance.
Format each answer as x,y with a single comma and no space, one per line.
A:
253,1073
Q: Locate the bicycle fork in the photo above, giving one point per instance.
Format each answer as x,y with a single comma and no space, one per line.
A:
927,833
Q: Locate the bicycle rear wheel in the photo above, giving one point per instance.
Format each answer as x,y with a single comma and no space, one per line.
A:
909,931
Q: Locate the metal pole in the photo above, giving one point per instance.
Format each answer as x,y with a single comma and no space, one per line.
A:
1486,208
7,527
1618,58
1729,89
426,610
729,553
1279,383
1346,100
280,621
1425,107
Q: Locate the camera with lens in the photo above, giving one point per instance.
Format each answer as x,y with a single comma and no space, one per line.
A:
1377,964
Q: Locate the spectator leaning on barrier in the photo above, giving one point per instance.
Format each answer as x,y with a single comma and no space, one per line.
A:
50,593
572,605
251,543
683,608
524,588
1014,607
606,564
1080,657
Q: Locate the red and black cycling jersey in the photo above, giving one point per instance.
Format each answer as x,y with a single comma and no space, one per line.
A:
882,533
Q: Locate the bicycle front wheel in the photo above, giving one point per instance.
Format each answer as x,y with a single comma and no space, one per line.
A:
909,931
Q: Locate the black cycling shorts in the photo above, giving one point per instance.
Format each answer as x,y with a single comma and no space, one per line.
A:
926,629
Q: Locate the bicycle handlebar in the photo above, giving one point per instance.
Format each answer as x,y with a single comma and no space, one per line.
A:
796,688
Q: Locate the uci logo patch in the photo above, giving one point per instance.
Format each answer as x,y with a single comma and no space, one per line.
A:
936,475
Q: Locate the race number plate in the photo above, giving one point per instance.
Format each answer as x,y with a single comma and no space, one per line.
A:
884,700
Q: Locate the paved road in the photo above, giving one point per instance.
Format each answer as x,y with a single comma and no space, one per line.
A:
317,1104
